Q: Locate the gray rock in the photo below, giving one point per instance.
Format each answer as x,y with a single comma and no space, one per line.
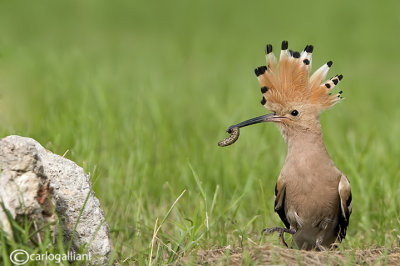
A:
26,169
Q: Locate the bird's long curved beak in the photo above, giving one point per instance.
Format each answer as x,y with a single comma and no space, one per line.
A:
272,117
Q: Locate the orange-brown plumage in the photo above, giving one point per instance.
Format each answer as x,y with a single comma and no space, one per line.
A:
290,82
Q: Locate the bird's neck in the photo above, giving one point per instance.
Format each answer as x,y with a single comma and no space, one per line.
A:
305,142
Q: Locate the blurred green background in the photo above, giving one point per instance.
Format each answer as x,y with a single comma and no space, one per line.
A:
140,92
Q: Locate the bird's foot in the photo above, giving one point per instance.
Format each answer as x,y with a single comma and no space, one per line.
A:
319,246
281,231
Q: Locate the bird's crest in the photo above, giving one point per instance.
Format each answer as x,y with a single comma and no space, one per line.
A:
290,82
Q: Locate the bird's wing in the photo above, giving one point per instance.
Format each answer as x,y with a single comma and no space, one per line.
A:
280,190
345,207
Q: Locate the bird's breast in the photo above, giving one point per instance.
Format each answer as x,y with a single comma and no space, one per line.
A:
311,199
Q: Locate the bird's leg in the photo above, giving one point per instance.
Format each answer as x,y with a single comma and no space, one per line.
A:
281,231
319,246
280,234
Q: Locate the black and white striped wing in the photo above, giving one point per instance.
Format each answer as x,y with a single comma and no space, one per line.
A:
280,191
345,207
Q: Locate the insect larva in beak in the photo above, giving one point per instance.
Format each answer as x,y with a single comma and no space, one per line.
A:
231,139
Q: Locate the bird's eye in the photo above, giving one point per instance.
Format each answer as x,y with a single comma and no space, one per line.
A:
294,113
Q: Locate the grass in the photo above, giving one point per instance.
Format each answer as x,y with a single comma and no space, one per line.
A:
140,93
32,242
27,236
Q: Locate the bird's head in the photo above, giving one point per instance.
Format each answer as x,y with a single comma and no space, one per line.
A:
295,98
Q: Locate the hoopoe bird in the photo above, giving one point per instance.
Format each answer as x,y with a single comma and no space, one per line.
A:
312,196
